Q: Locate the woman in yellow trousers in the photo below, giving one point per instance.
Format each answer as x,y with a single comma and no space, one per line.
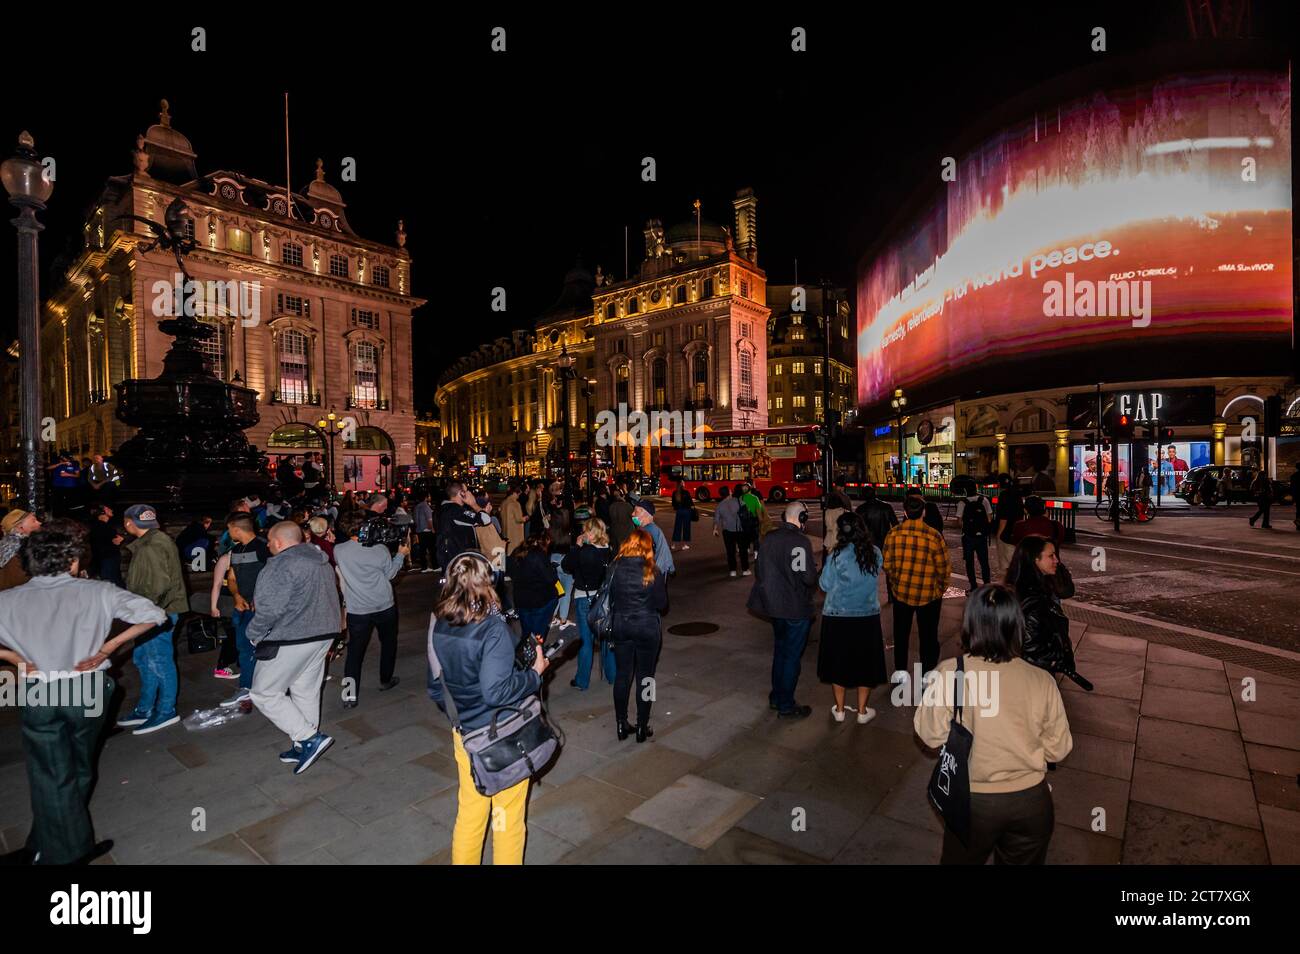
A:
476,652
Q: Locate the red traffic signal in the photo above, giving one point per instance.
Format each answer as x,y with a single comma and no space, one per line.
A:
1166,435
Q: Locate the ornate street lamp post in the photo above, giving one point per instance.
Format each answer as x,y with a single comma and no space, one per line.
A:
28,187
565,362
331,424
899,404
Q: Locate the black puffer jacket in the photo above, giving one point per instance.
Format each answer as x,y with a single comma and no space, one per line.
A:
636,606
1047,629
880,519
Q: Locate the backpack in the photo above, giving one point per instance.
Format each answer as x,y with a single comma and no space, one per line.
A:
600,613
974,519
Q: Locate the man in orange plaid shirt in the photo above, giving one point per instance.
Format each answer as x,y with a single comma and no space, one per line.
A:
917,567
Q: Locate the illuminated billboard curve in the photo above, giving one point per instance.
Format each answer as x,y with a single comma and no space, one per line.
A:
1150,227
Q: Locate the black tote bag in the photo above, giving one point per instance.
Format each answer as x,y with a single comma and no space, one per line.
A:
949,787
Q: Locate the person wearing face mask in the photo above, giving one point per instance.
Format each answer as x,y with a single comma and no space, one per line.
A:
785,577
643,518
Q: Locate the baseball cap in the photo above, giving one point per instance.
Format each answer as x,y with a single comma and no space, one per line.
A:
143,516
12,519
647,504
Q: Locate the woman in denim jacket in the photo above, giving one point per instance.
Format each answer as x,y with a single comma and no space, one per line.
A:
852,651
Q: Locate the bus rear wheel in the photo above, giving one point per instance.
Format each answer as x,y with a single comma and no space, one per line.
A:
702,495
777,494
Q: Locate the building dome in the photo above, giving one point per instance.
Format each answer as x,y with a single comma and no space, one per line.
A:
171,157
322,191
683,233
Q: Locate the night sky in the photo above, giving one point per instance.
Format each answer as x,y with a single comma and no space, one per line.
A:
508,167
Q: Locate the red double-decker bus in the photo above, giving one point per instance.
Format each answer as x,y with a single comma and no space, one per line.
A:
781,463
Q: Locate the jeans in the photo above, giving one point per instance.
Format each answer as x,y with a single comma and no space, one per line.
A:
587,652
360,626
156,660
537,620
682,526
60,741
567,582
733,541
972,547
636,654
247,661
791,635
927,621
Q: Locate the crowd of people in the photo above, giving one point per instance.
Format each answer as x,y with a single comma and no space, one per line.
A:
309,579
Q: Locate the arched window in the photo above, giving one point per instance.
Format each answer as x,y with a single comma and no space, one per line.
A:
700,375
621,379
371,439
215,347
295,381
365,375
746,375
296,435
659,381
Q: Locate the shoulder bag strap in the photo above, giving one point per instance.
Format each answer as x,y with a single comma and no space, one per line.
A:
961,684
436,666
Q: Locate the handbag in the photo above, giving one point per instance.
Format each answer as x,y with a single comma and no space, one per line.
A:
512,747
695,515
949,787
600,613
203,633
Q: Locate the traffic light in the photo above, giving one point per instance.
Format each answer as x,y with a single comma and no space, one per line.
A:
1166,435
1121,427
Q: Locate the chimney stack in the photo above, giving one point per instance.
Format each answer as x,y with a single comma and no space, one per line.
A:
746,224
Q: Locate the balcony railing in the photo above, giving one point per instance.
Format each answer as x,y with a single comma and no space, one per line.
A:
99,397
278,397
750,403
704,404
367,404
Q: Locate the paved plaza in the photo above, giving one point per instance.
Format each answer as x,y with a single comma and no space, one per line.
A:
1171,763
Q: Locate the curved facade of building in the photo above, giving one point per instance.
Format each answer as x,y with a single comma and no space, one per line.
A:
1131,247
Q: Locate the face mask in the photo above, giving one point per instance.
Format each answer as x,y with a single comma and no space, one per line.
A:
636,521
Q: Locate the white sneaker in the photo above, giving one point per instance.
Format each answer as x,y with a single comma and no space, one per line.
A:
428,569
866,715
837,714
732,573
686,546
746,573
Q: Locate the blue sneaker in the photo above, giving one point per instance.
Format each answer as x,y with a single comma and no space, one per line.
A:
312,749
134,719
291,756
155,723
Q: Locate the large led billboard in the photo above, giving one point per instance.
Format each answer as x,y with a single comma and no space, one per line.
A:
1132,234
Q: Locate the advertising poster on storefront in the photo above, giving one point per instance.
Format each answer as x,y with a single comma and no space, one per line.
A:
1174,462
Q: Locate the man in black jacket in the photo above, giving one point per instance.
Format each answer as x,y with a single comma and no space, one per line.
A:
785,577
878,516
458,515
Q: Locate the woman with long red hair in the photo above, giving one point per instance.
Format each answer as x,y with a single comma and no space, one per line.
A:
637,597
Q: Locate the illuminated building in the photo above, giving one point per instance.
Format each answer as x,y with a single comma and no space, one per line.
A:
796,354
687,333
309,314
1133,241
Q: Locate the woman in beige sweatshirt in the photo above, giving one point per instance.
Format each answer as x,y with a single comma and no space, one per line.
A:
1015,713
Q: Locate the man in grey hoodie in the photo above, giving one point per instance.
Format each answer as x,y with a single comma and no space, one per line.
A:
297,620
366,574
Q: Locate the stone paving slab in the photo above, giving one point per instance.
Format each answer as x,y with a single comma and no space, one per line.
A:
694,810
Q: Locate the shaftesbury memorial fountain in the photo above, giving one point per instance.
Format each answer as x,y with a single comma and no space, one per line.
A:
189,454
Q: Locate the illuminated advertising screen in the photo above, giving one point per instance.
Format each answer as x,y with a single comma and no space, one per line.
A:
1175,460
1148,230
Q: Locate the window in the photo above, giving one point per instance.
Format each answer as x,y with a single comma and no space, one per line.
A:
817,367
633,305
699,331
744,288
294,305
817,401
745,329
796,334
796,319
379,276
611,311
659,381
778,386
365,375
700,375
291,254
798,401
237,240
844,329
679,294
746,375
339,266
294,382
215,348
797,367
620,346
365,319
188,227
780,402
707,290
621,383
